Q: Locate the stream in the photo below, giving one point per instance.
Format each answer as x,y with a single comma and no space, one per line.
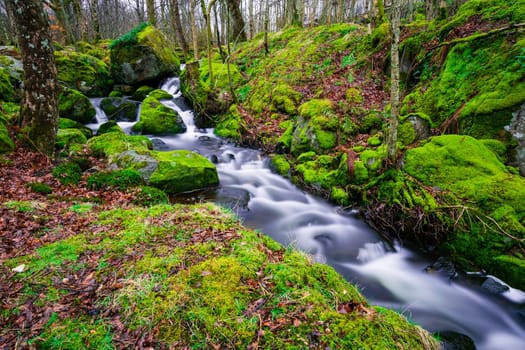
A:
396,277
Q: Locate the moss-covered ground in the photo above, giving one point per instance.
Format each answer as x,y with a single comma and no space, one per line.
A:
90,270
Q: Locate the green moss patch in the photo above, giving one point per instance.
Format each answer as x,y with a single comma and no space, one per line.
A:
474,177
181,171
115,142
192,276
157,119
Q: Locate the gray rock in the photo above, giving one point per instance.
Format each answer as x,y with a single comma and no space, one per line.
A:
494,287
517,129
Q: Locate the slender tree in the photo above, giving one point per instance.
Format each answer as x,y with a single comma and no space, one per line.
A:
39,107
395,19
177,26
238,31
150,8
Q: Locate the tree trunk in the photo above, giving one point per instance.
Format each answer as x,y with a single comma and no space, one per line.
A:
394,77
177,26
238,32
139,8
39,106
94,18
150,8
194,31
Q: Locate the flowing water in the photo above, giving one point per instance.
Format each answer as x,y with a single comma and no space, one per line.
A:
392,276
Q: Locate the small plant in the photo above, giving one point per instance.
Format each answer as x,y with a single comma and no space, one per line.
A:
81,208
68,173
21,206
348,60
148,196
120,179
39,187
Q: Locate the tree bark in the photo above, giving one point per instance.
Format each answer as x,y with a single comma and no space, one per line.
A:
39,106
394,78
238,32
194,31
176,22
150,8
94,18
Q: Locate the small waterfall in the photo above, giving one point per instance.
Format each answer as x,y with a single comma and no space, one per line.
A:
371,251
100,116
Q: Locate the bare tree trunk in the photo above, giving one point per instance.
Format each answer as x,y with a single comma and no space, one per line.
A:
150,8
238,22
39,106
177,26
394,78
194,30
251,32
12,28
139,8
266,19
94,18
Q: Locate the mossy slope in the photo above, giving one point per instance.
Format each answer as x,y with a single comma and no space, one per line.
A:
191,276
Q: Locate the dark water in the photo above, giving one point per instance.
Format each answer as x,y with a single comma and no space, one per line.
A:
394,277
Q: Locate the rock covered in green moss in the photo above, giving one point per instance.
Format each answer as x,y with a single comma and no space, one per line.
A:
83,72
157,119
109,126
141,93
65,123
229,126
285,99
182,171
316,127
119,109
113,143
6,144
280,165
472,175
323,171
7,91
173,171
142,55
68,137
72,104
413,127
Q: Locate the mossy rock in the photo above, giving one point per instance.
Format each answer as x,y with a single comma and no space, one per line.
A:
113,143
280,165
65,123
119,109
353,96
469,172
315,129
230,124
157,119
6,144
183,171
68,137
7,91
141,93
146,57
83,72
115,179
68,173
285,99
413,127
477,90
323,171
109,126
72,104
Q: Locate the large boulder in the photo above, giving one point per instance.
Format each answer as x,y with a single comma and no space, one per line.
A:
173,172
74,105
142,55
157,119
119,109
315,129
83,72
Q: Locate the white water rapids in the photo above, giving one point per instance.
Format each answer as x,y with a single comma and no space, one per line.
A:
394,277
